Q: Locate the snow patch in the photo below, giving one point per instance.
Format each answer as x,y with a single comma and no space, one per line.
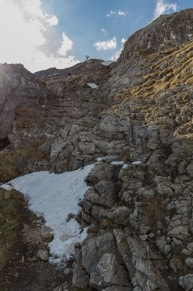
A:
125,166
55,196
136,163
92,85
99,159
118,163
107,63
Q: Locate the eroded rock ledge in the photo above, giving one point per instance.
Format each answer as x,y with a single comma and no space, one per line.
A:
140,233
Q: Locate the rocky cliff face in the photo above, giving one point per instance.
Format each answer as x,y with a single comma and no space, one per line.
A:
17,87
166,32
139,211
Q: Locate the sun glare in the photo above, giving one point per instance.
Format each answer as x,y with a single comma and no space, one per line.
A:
24,34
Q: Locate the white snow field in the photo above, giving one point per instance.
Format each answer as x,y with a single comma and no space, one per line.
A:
55,196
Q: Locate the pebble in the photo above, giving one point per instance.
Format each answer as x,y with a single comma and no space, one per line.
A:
67,271
189,262
42,254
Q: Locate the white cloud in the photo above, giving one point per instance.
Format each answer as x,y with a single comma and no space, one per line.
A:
121,13
106,45
116,13
116,55
41,61
137,19
162,7
123,40
103,30
33,9
110,13
65,46
28,36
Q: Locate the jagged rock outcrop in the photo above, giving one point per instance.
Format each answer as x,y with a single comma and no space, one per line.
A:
18,87
166,32
64,131
118,253
139,211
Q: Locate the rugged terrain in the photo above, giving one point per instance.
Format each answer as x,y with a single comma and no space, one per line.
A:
139,214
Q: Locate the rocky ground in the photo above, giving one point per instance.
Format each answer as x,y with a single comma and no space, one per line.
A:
139,214
24,250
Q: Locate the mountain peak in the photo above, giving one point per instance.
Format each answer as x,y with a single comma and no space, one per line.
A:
166,32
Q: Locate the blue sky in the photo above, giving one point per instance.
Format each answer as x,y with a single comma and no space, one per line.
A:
59,33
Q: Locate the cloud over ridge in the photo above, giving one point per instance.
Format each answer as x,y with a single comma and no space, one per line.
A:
27,33
106,45
162,7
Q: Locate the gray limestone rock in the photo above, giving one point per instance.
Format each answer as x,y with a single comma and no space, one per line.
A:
101,171
87,147
186,282
103,195
153,137
186,252
163,246
190,246
189,262
136,255
46,233
80,278
146,274
120,215
108,272
165,189
42,254
179,232
98,213
116,288
113,124
190,170
94,249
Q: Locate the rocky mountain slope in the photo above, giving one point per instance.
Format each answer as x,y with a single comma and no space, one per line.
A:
139,211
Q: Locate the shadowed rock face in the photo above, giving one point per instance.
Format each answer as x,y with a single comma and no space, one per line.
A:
140,216
17,87
4,142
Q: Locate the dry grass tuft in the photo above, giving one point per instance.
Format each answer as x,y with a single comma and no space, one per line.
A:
12,161
29,117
